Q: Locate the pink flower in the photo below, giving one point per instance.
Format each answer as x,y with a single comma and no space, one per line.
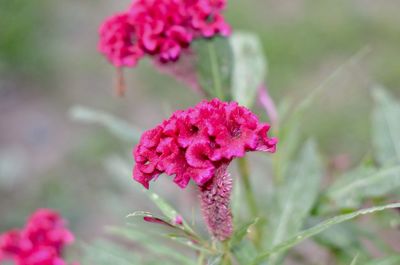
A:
162,29
40,242
199,143
193,143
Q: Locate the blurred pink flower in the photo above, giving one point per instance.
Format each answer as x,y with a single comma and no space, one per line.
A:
161,28
40,242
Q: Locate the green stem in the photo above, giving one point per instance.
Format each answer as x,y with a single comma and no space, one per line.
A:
251,201
201,259
226,259
215,72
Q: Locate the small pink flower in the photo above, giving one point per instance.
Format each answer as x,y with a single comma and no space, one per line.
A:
199,144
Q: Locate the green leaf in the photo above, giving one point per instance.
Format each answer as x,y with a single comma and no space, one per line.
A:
249,68
300,237
118,127
214,66
244,252
294,199
343,239
350,190
393,260
241,232
386,127
355,260
105,253
187,242
152,243
215,260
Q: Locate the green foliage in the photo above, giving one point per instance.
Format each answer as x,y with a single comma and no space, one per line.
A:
214,66
350,190
393,260
249,68
293,199
300,237
118,127
386,128
23,24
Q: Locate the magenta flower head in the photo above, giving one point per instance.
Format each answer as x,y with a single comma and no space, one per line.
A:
40,242
199,144
159,28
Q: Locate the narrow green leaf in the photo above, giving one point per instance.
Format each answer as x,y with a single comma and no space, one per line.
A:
295,197
118,127
214,66
187,242
105,253
350,190
355,260
215,260
244,252
300,237
386,127
241,232
393,260
249,68
152,244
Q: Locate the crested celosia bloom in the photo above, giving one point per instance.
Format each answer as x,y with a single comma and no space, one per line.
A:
198,144
160,28
40,242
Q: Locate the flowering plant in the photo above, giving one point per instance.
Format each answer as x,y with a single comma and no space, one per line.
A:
230,207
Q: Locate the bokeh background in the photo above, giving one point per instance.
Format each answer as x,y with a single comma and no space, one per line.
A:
49,63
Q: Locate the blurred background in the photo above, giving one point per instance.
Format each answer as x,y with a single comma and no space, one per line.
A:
49,63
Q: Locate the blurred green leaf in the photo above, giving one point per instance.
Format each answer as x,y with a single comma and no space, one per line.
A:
249,67
393,260
386,127
295,197
152,243
350,190
355,260
106,253
305,234
343,240
241,232
187,242
214,66
118,127
215,260
244,252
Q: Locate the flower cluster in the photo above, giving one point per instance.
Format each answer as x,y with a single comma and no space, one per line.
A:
40,242
161,28
194,143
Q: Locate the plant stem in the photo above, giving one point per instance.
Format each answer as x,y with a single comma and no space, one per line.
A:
251,201
214,70
226,260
